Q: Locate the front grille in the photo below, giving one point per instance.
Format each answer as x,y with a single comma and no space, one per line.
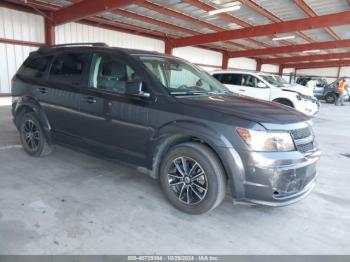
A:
305,147
301,133
303,139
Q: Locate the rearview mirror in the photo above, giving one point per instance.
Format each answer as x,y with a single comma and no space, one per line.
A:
261,85
135,88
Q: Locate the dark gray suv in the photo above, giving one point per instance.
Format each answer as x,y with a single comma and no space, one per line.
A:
167,118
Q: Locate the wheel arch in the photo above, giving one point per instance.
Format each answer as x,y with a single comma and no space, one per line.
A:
26,105
174,134
280,100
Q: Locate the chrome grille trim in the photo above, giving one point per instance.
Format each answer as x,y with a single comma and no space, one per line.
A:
303,139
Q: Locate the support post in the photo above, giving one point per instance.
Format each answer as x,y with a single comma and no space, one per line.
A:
225,59
338,73
258,65
168,47
49,32
280,70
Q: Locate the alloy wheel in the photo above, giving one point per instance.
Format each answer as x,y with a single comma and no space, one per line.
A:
187,180
31,135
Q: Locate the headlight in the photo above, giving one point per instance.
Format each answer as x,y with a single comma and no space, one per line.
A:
267,141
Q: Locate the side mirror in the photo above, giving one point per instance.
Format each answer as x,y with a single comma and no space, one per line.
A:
261,85
135,88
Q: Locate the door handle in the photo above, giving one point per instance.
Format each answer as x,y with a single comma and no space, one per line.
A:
90,100
42,90
242,90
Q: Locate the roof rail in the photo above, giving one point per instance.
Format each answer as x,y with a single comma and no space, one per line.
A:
73,44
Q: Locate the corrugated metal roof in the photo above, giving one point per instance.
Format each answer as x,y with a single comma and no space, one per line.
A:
343,31
324,7
318,35
130,21
184,8
170,20
284,9
62,3
245,14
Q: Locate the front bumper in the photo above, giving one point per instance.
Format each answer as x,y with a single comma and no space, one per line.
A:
274,179
308,107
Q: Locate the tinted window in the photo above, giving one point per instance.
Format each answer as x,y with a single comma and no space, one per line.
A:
35,67
231,79
217,77
109,72
69,68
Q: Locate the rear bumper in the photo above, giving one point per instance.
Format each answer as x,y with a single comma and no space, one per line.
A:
273,179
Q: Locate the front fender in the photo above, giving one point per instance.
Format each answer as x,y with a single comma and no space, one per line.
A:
198,130
181,131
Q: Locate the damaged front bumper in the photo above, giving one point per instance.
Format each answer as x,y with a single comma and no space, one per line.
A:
273,178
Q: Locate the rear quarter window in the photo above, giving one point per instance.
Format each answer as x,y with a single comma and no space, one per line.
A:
35,67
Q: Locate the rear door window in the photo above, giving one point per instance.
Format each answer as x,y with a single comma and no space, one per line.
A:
69,68
35,67
231,79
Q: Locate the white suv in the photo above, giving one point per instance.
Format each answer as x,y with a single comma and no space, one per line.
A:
269,87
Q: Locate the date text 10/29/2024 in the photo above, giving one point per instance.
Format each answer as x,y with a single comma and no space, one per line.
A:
173,258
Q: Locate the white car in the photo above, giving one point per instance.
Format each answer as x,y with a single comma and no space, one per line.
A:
269,87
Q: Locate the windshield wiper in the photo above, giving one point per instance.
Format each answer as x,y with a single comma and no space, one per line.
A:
188,93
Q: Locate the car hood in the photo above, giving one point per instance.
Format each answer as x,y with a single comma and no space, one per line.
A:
298,88
259,111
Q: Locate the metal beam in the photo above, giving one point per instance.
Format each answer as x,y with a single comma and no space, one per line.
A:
284,60
325,64
308,10
227,17
270,29
264,12
87,9
20,42
291,49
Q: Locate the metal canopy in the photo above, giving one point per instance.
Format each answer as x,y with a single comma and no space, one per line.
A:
248,32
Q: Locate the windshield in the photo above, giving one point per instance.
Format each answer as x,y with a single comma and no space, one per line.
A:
182,78
280,79
271,80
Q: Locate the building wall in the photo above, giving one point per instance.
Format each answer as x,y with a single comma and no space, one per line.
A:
242,63
199,56
345,71
78,33
270,68
16,25
330,74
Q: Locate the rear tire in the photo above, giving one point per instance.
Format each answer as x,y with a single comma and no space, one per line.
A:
32,136
192,178
330,98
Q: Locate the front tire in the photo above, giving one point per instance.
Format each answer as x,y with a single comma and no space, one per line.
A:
32,136
192,178
330,98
